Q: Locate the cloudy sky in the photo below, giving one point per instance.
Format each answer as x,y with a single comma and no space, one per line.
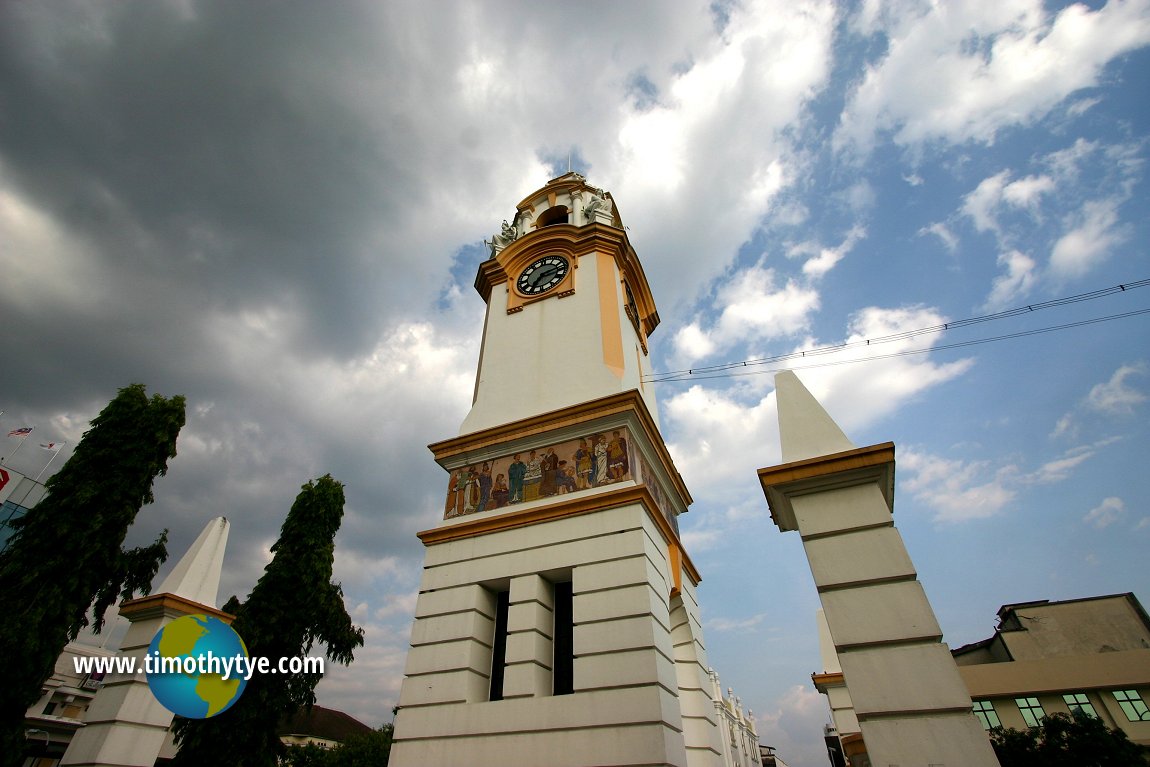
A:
277,209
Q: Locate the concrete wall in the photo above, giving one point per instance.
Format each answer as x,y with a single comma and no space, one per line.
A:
626,708
1076,627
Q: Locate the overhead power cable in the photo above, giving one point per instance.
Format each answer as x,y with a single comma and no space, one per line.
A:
738,369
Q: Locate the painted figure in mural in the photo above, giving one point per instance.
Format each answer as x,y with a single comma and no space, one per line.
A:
617,457
583,465
565,478
460,491
470,490
550,465
515,473
449,507
533,478
600,460
499,492
484,487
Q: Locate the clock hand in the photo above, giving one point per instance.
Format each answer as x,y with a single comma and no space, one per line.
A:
541,276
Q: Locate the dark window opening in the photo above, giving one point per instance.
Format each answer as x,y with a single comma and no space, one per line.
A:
552,216
499,645
564,662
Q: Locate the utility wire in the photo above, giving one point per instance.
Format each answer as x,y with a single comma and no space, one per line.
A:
738,369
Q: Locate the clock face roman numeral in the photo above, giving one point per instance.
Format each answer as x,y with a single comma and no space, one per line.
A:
542,275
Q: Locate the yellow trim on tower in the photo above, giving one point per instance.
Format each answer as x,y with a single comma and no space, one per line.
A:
626,496
610,327
675,555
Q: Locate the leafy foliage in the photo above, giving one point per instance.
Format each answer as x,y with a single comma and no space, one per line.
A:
1062,740
293,606
66,555
369,750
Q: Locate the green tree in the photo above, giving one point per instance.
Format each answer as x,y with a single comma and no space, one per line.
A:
371,749
66,555
368,750
1063,740
293,606
308,755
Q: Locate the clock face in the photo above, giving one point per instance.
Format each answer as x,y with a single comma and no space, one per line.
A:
541,276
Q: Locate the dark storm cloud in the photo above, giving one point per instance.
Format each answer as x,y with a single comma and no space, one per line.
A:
215,152
239,195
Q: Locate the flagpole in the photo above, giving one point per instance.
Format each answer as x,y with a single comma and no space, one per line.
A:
17,450
55,453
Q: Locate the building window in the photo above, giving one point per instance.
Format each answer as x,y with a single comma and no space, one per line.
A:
499,645
9,513
986,714
1031,711
1132,705
564,662
1077,701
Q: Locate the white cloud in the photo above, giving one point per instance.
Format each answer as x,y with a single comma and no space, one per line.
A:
1081,106
942,232
827,257
719,130
1017,282
958,491
1065,163
789,721
963,72
738,625
1025,192
981,204
1065,425
1096,230
1105,513
750,306
1059,468
1116,397
720,438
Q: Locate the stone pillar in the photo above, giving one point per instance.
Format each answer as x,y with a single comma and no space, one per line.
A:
577,217
530,634
911,703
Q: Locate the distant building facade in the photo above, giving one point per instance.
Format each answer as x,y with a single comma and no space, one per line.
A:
1090,654
18,493
320,726
63,705
737,728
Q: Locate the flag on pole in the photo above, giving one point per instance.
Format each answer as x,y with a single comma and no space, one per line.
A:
53,446
21,432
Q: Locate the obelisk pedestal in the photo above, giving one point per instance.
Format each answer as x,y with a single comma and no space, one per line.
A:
126,725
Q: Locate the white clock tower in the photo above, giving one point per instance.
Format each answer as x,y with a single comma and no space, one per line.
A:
557,622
